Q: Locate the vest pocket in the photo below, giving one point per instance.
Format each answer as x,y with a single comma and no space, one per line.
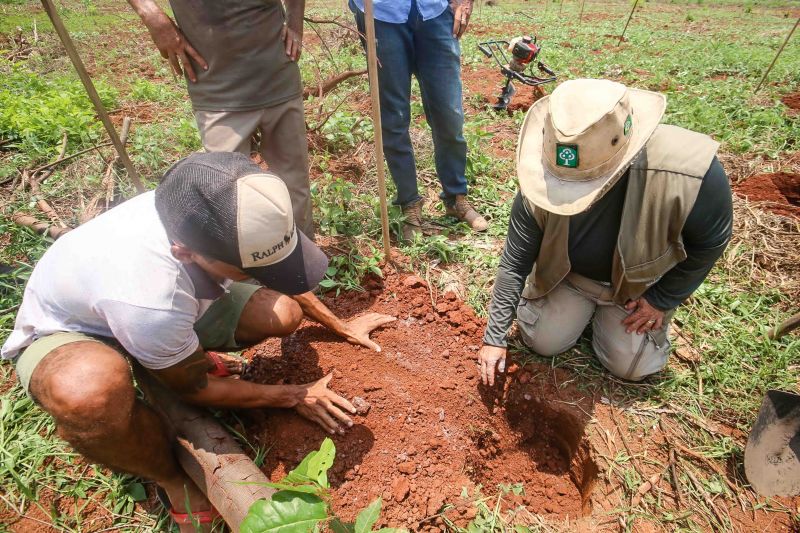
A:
651,271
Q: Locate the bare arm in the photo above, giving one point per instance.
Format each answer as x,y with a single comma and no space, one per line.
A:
169,40
355,331
190,380
292,34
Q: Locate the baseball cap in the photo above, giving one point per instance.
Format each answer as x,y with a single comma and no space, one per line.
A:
225,207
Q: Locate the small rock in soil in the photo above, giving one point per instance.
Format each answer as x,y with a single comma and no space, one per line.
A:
414,281
447,384
362,406
372,387
407,468
400,489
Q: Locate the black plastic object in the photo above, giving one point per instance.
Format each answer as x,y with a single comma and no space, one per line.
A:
772,455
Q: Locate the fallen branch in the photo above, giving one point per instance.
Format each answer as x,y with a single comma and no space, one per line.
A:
644,488
710,464
706,497
70,157
107,183
331,83
42,228
336,23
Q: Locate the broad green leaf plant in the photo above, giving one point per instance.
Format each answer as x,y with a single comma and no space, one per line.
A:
302,504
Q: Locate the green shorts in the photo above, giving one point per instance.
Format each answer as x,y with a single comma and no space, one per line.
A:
216,330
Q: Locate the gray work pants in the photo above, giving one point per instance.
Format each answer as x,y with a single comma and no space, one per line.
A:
552,324
283,147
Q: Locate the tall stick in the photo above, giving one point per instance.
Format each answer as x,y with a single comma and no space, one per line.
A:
372,70
580,17
560,7
776,55
622,36
791,323
72,52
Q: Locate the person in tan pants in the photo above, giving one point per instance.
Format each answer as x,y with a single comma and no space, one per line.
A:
240,61
618,220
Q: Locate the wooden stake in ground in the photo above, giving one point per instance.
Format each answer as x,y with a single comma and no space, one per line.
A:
622,35
580,17
764,77
372,70
560,7
72,52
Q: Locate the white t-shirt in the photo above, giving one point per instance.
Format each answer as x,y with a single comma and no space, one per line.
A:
115,277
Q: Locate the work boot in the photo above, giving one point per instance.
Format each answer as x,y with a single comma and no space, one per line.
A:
463,210
412,225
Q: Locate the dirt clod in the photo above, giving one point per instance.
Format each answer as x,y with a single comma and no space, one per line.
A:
400,489
362,406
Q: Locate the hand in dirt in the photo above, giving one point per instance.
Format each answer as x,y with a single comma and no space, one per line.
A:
293,40
323,406
173,46
643,318
358,329
462,9
491,358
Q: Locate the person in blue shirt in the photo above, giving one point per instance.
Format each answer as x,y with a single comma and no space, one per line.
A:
421,37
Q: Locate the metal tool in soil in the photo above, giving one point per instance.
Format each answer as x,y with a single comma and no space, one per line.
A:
523,52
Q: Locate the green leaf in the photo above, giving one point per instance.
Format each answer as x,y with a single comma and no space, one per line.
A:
321,461
368,516
285,512
337,526
136,492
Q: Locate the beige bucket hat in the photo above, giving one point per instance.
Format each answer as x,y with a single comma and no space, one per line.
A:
576,143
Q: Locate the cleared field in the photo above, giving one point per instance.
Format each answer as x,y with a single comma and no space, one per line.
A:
687,426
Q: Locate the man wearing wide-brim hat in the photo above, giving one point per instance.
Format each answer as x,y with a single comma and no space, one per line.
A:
618,220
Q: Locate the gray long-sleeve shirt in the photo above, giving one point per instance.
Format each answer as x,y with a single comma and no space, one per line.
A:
592,240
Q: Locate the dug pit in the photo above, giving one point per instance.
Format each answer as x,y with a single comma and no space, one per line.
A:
427,428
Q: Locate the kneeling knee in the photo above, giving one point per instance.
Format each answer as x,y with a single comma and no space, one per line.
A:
85,401
290,314
547,346
631,365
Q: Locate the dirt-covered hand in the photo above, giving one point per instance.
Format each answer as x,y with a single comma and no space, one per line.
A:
491,359
293,41
173,45
643,317
462,10
358,329
325,407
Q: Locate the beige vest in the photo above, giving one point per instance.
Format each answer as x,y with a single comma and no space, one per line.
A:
662,188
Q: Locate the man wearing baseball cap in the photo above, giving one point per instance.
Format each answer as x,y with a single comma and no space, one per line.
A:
160,278
618,220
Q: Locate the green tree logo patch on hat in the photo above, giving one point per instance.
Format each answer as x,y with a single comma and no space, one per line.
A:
567,155
627,128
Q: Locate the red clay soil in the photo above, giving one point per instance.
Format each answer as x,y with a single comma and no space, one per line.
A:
779,192
792,101
485,85
428,428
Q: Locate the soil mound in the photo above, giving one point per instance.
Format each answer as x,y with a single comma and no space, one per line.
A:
427,427
485,85
780,192
792,101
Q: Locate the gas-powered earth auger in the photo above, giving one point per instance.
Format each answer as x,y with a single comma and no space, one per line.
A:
524,51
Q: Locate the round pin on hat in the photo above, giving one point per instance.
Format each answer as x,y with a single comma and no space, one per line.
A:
223,206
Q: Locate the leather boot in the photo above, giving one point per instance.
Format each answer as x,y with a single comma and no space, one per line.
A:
463,210
413,220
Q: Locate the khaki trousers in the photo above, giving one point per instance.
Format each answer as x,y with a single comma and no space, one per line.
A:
283,147
552,324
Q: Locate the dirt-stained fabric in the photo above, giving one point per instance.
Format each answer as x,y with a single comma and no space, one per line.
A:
247,64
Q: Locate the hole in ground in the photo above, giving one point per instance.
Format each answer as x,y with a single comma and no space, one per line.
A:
546,452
